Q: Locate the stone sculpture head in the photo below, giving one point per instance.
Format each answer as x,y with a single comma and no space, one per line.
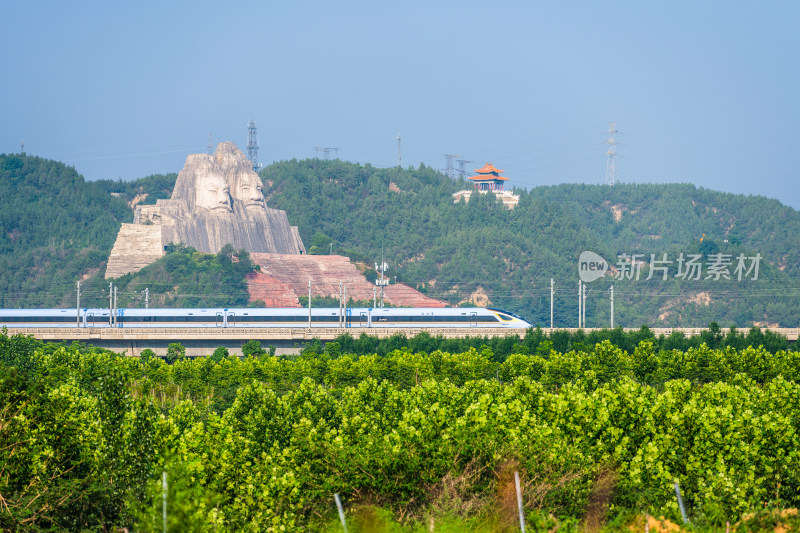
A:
247,188
211,191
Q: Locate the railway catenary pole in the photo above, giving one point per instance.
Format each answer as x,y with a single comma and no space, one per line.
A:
78,308
110,303
583,305
344,304
146,298
382,270
612,307
583,309
551,302
115,306
580,302
309,303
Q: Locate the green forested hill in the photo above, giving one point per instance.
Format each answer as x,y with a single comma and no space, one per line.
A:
144,191
188,278
54,229
57,228
453,250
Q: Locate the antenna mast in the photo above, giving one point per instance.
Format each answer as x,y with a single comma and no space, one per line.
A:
399,153
252,145
611,162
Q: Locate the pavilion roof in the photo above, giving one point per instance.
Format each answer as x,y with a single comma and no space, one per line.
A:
489,177
488,168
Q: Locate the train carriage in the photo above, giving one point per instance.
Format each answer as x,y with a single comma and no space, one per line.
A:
351,317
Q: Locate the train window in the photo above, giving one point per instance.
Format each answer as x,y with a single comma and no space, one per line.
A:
17,319
190,318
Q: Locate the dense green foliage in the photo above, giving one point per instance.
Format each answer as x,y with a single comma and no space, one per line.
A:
188,278
144,191
537,341
450,250
261,444
54,229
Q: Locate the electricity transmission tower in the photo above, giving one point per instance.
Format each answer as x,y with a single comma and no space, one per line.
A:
611,161
326,152
449,169
462,171
252,145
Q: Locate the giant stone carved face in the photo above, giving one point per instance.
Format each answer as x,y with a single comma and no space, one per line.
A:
211,192
247,187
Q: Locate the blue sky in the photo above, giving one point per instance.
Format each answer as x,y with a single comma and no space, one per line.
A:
705,93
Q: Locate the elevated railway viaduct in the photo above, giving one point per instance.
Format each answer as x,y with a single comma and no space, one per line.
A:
203,341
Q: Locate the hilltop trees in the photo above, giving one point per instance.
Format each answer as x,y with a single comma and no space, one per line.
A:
60,229
450,250
54,228
188,278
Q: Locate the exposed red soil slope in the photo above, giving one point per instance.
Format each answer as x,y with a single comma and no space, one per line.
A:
285,277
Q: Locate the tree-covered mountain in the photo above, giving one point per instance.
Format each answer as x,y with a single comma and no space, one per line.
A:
55,229
460,251
144,191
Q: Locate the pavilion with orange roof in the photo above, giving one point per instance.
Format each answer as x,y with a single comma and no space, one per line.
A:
488,178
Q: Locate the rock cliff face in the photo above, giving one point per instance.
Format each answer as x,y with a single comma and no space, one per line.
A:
136,247
217,200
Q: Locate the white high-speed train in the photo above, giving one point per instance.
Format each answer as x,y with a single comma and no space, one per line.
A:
247,317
